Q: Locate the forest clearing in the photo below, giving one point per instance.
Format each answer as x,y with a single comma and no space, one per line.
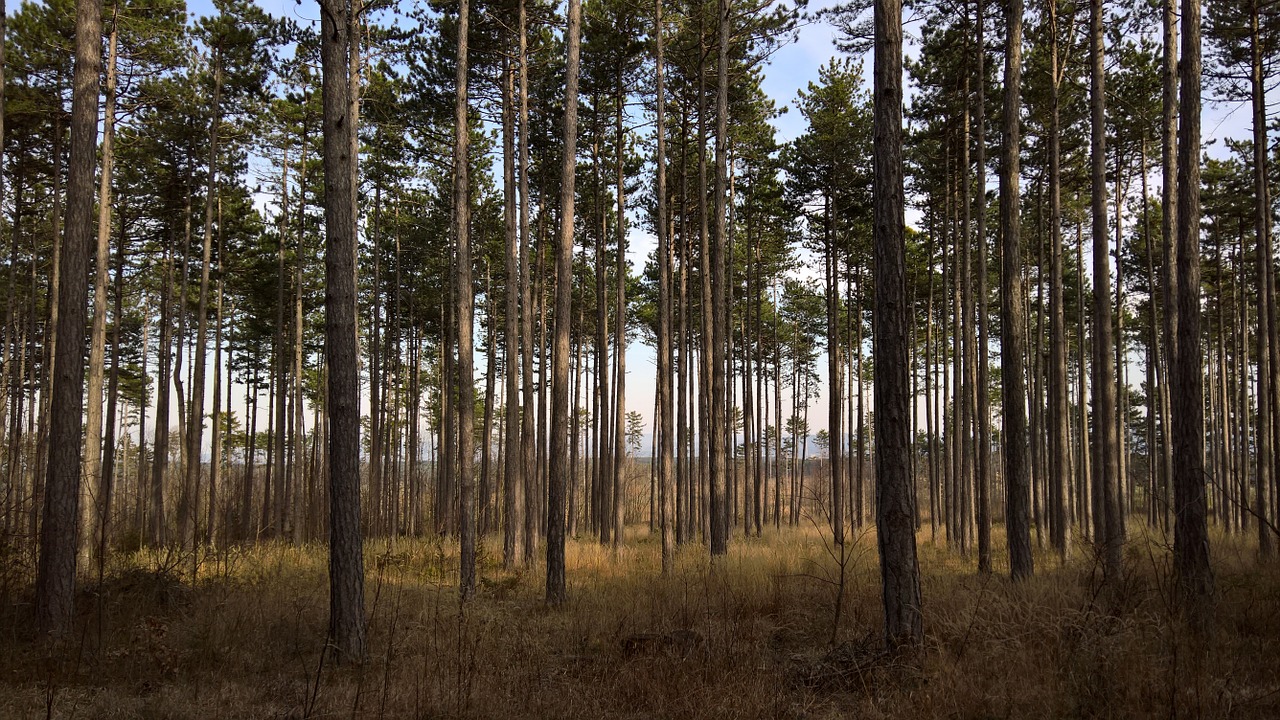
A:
755,637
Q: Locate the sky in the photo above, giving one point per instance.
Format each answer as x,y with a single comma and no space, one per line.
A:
789,70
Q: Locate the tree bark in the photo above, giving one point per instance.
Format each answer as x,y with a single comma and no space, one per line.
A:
1168,235
666,453
527,431
513,489
559,454
346,560
620,328
195,414
56,571
1266,285
1106,539
1059,439
465,377
895,507
1013,344
1190,538
97,503
717,507
982,479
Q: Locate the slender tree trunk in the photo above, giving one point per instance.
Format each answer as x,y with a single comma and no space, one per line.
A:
1168,232
156,521
107,483
297,511
1013,349
195,414
51,336
620,330
969,382
982,479
705,307
684,465
486,424
1123,490
895,511
1059,437
96,503
346,563
1266,284
666,499
717,507
465,379
513,492
835,382
215,444
1085,475
559,454
1190,539
527,431
1104,442
56,572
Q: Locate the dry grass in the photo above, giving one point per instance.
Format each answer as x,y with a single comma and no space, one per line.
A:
747,638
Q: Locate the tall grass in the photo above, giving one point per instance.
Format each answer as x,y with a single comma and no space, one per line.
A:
748,636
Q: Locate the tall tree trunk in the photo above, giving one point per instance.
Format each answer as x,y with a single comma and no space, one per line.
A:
982,479
486,424
684,473
107,483
513,490
1266,286
296,509
56,572
1013,344
1059,439
620,322
559,454
526,333
705,307
1190,538
1084,473
215,444
97,503
465,378
1123,489
346,561
156,521
187,519
895,511
666,453
527,431
717,507
969,379
51,333
276,406
835,381
1104,442
1168,235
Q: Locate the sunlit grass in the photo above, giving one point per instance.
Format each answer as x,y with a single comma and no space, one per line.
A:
749,635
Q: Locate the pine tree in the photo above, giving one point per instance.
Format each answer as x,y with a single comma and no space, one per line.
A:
56,574
1190,539
559,455
1013,340
895,509
346,563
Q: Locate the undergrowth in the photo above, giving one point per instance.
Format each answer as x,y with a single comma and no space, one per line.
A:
778,628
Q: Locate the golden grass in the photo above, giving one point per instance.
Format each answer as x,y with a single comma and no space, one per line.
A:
748,637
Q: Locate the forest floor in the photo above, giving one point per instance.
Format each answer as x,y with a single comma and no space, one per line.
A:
766,632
